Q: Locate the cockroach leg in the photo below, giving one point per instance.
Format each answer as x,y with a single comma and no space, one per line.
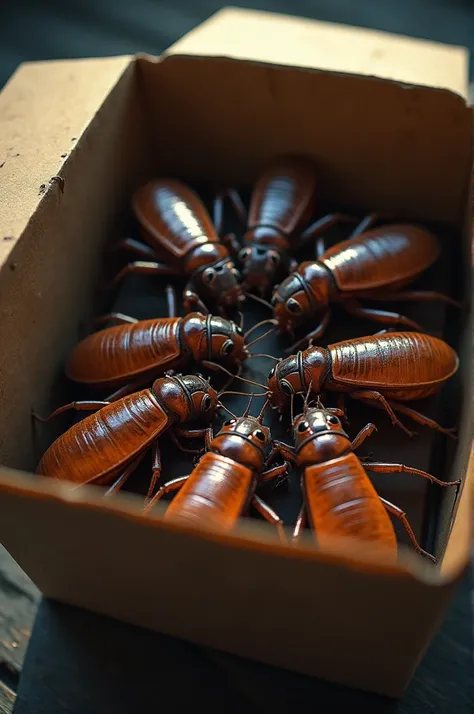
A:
373,398
364,225
140,267
274,472
391,318
422,419
231,242
417,296
313,335
179,446
237,204
207,433
171,301
156,467
316,228
363,435
192,302
402,516
125,475
82,406
269,514
140,249
117,317
383,468
300,524
169,487
126,389
284,450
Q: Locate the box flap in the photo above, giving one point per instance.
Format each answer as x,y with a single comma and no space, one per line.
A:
44,109
281,39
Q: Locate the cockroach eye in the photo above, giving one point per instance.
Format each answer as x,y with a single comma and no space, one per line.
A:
271,373
333,420
239,330
227,348
273,257
244,254
206,403
302,426
229,422
293,306
286,387
258,434
209,275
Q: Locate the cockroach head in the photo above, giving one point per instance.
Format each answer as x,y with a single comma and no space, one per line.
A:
296,299
245,440
188,397
318,436
215,277
225,341
261,266
297,373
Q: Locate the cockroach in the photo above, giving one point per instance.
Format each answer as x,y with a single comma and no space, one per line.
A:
377,370
372,264
339,497
282,203
134,352
178,230
106,447
222,485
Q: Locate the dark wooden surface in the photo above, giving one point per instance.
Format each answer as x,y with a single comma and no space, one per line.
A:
18,602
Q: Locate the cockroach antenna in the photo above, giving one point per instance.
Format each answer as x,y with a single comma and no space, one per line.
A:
305,405
270,321
257,339
247,409
259,299
262,411
261,354
222,406
215,366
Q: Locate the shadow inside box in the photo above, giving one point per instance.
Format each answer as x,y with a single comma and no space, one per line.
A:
144,297
82,663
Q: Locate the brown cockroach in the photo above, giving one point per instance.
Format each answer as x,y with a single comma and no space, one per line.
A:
282,203
339,497
222,485
106,447
134,352
376,370
371,264
178,230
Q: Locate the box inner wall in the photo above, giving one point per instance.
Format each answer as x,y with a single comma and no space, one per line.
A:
144,297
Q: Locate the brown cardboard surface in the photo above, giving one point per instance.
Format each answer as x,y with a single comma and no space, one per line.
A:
365,157
281,39
44,110
207,588
334,619
49,265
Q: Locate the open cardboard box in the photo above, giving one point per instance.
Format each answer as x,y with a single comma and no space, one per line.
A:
76,137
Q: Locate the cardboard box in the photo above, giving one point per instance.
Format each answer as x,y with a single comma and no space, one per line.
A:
76,137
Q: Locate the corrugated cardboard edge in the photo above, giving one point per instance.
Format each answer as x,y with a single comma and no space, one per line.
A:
281,39
44,110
